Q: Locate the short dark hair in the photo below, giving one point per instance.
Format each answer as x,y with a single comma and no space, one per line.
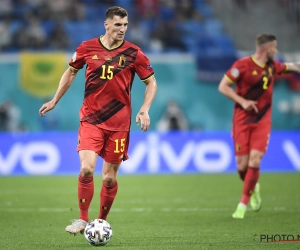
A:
262,39
115,11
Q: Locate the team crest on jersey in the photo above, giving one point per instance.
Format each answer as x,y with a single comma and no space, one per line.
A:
74,57
254,73
108,58
235,72
122,60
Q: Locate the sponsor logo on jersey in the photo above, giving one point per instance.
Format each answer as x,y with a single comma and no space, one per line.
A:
235,72
148,67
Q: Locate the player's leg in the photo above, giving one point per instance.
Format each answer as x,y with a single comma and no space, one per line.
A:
113,153
109,188
241,147
241,143
259,142
242,167
88,159
253,187
90,144
252,175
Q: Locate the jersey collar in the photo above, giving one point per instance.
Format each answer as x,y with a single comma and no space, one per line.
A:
257,63
100,38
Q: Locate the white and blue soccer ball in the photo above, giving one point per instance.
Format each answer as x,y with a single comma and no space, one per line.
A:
98,232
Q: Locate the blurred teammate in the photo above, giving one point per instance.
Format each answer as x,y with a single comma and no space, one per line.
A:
254,78
105,115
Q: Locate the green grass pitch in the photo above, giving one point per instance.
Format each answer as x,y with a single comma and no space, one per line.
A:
151,212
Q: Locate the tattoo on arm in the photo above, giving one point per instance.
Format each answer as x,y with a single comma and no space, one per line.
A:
142,113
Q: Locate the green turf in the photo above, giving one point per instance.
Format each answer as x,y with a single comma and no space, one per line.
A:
151,212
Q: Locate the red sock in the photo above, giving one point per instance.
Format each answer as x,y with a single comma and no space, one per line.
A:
249,184
107,196
242,174
85,195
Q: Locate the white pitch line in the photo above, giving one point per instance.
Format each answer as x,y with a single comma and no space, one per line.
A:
187,209
134,210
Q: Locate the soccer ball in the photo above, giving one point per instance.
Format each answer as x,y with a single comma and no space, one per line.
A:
98,232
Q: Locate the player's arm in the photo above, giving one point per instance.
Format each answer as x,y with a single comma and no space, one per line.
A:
225,87
143,116
292,67
64,84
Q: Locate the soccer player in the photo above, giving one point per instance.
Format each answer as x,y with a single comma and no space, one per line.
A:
105,115
254,79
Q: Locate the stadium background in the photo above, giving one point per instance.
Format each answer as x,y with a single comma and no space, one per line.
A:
190,44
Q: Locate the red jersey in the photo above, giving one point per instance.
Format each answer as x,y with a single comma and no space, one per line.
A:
254,82
108,81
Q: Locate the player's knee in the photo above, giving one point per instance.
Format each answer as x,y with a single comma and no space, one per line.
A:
255,160
108,179
87,170
241,164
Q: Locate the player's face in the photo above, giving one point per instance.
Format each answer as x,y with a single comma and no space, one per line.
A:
116,27
271,50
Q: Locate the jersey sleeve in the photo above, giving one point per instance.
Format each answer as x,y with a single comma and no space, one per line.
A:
235,72
78,60
143,67
280,67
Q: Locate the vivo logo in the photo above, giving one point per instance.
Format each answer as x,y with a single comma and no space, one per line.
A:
27,153
192,152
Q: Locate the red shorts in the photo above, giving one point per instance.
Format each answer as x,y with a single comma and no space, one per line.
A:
112,146
251,136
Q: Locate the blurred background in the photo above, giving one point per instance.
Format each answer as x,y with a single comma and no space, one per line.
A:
191,43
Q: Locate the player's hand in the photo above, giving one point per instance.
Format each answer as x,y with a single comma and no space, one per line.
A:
143,120
250,105
46,107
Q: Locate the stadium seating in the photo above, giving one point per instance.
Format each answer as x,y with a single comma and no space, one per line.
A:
91,23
